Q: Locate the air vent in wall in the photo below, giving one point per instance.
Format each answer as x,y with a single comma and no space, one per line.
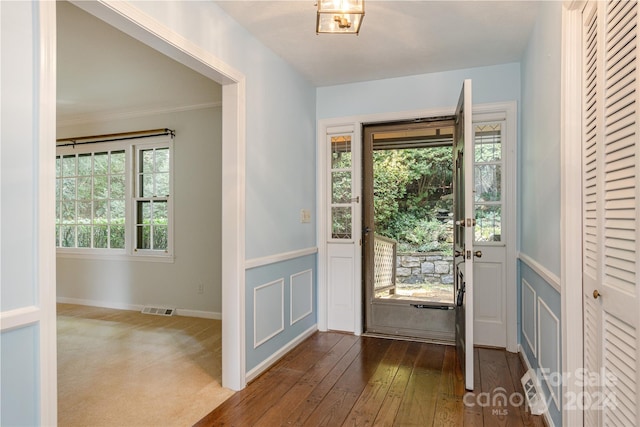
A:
159,311
533,393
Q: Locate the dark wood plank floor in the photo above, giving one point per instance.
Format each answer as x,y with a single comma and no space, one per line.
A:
335,379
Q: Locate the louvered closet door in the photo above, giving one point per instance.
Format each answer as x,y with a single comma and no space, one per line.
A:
611,169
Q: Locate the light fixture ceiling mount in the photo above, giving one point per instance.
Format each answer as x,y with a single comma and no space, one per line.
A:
339,16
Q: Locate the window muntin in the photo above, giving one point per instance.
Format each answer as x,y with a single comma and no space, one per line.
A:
341,206
90,200
488,181
112,199
152,198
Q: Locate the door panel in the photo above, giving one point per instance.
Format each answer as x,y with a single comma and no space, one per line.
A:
490,298
610,153
464,232
341,289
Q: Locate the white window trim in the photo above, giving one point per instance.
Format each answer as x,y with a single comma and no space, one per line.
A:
484,119
129,253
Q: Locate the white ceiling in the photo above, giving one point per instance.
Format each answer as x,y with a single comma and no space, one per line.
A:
397,38
104,71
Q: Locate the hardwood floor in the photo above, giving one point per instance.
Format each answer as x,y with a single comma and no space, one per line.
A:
335,379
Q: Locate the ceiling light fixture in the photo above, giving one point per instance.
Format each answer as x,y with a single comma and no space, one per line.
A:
339,16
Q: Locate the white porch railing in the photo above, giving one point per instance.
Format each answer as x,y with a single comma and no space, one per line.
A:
384,264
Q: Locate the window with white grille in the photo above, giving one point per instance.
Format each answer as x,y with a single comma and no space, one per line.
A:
114,198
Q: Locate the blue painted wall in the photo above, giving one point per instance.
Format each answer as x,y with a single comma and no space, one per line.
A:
280,133
259,276
540,144
539,204
280,152
425,91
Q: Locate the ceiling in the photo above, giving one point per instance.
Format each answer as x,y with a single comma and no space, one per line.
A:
102,71
397,38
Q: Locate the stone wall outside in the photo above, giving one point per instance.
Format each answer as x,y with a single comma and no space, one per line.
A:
426,267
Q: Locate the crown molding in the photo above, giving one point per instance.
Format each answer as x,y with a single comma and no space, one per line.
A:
101,117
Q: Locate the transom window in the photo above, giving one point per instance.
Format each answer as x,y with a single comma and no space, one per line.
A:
114,198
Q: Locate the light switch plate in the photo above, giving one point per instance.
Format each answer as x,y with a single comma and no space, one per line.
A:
305,216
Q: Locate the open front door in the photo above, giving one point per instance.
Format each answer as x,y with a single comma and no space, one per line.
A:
463,231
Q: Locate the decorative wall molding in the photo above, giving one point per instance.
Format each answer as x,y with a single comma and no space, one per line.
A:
543,309
267,363
199,313
542,271
284,256
300,282
532,345
109,116
19,317
138,307
272,309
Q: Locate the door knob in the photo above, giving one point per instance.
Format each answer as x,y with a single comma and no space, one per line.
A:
478,254
457,253
596,294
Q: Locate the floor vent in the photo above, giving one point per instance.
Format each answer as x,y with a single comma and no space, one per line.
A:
159,311
533,393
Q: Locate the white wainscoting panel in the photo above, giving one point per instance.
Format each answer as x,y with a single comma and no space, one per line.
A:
529,316
341,288
549,348
268,311
301,295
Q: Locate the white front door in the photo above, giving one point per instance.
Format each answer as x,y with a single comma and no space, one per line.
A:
490,182
610,172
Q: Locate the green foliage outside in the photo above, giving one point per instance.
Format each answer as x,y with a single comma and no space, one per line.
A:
412,197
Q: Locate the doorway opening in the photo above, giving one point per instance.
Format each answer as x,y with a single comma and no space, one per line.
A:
408,225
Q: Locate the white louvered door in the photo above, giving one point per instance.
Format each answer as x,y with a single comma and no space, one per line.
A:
611,169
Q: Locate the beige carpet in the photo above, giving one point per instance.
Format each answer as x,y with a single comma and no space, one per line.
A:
124,368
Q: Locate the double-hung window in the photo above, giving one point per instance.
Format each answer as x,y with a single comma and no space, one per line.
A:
114,199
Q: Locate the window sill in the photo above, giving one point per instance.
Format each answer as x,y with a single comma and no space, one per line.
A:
121,256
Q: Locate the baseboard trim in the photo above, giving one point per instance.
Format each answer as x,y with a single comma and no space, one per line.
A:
525,360
199,313
266,364
138,307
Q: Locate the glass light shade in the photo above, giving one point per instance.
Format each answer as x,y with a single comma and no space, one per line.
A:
339,16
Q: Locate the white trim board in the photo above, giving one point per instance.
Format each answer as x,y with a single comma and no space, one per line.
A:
571,201
284,256
267,363
185,312
541,271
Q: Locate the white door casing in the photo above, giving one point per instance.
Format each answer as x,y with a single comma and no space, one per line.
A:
492,272
341,234
500,111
